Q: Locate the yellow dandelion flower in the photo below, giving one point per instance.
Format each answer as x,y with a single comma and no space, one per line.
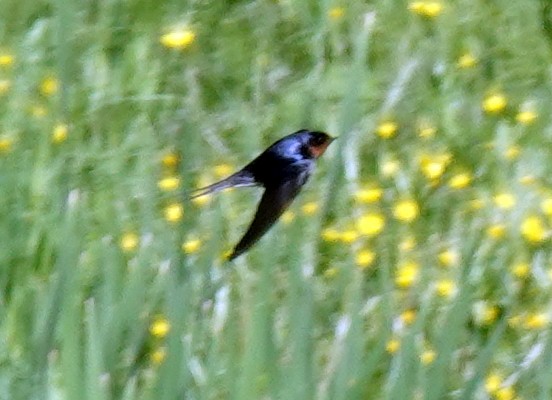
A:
169,183
434,166
489,314
493,383
526,117
546,206
393,346
428,356
460,180
387,130
287,217
496,231
533,229
6,144
365,258
369,195
170,160
428,9
191,246
5,86
495,103
336,13
59,134
521,270
537,321
223,170
158,356
445,288
407,274
6,59
129,241
371,224
389,168
406,210
466,61
49,86
160,327
447,257
178,39
504,200
408,316
174,212
330,235
505,393
310,208
349,236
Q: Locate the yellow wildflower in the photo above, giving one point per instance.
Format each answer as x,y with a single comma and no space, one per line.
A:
537,321
533,229
129,241
393,346
428,9
49,86
447,257
170,160
59,133
406,210
178,39
6,144
504,200
466,60
495,103
445,288
496,231
408,316
310,208
174,212
169,183
460,180
434,166
369,195
336,13
6,59
158,356
160,327
223,170
505,393
287,217
428,356
330,235
390,167
521,270
387,129
407,274
546,206
526,117
201,200
365,258
371,224
493,383
191,246
349,236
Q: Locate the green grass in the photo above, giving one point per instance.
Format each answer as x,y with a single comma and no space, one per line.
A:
297,317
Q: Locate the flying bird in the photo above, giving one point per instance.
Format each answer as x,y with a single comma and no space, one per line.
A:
282,169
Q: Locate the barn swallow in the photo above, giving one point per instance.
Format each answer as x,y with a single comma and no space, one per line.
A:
282,169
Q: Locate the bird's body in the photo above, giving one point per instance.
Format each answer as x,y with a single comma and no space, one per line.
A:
282,169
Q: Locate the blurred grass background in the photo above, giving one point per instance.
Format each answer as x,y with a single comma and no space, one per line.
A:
415,264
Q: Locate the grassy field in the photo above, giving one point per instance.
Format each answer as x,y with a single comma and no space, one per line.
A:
416,264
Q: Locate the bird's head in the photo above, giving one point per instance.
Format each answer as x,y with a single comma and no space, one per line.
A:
317,143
